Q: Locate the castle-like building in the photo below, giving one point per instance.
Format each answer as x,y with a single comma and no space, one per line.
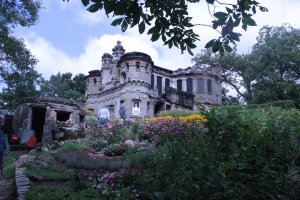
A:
145,89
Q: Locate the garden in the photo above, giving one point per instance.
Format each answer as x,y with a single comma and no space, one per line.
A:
229,152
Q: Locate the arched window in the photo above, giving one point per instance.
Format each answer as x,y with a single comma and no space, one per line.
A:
95,81
137,66
146,68
189,85
209,87
200,85
179,84
127,66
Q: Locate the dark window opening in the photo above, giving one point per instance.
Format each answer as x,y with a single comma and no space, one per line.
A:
159,106
168,107
62,116
38,122
189,83
127,66
159,85
137,66
167,83
95,81
179,85
209,86
152,81
146,68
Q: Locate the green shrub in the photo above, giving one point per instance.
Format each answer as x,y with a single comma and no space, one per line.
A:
43,192
176,113
246,154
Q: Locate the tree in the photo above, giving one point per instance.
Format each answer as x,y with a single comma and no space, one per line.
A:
14,56
170,20
269,73
16,62
63,86
19,84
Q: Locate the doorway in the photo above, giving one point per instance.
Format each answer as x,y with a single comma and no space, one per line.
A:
38,122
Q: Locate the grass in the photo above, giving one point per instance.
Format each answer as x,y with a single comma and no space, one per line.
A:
9,163
45,192
48,172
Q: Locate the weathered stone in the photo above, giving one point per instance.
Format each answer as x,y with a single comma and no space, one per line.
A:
49,118
146,89
129,143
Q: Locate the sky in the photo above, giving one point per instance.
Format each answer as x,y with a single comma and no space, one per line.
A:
67,38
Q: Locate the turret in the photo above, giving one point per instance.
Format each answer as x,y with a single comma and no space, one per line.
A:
135,66
118,50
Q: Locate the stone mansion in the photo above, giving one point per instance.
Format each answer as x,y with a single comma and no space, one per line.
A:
145,89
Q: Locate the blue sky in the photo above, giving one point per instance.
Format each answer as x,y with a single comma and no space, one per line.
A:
67,38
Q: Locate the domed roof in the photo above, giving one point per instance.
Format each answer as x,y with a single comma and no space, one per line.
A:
107,55
118,47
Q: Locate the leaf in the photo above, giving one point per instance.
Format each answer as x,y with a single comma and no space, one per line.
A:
190,51
220,15
85,2
142,27
254,9
263,9
210,43
210,1
94,8
117,22
249,21
155,36
228,48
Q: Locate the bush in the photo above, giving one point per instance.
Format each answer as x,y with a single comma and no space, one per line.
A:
245,154
176,113
160,128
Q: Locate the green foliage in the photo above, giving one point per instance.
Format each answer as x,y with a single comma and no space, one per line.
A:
246,154
9,164
171,22
43,192
176,113
288,104
269,73
71,146
16,61
47,172
64,86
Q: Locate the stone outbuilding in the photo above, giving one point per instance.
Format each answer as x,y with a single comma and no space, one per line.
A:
48,117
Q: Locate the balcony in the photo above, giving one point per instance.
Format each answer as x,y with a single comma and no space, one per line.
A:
182,98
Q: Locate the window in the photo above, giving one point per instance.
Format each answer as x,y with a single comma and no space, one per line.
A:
152,81
167,83
137,66
146,68
179,84
200,85
127,66
189,84
95,81
136,107
159,85
209,86
148,105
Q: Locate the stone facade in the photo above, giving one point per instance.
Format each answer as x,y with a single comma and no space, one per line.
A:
49,118
146,89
